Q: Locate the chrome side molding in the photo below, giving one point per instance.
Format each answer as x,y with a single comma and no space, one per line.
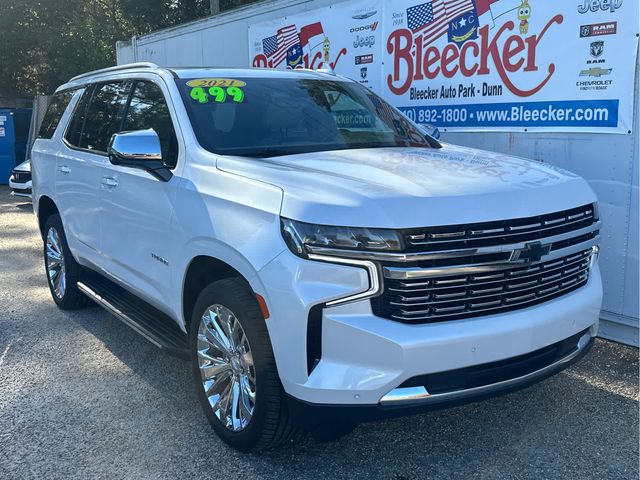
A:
420,395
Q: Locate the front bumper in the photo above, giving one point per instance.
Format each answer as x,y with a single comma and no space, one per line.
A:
21,189
365,358
312,416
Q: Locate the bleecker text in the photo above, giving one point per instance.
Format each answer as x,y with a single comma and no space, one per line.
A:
472,58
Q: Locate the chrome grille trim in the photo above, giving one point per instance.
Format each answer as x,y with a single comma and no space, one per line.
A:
506,288
499,231
479,267
471,295
448,254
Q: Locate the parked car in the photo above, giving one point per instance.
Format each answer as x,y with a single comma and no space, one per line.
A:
318,258
20,180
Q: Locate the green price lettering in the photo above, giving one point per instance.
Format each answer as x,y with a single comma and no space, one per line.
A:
199,95
237,93
219,94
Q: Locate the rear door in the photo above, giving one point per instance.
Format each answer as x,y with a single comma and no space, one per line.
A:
97,116
139,240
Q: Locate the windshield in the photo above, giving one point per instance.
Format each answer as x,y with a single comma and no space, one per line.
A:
266,117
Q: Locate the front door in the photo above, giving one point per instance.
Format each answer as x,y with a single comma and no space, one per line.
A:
138,238
80,162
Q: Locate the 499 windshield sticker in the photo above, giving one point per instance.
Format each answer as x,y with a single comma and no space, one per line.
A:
219,90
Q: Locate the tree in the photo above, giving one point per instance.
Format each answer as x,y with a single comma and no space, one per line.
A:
46,42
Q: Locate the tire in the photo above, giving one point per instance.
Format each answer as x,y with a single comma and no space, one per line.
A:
268,423
63,285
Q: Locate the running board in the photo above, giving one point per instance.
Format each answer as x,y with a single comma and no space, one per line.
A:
157,327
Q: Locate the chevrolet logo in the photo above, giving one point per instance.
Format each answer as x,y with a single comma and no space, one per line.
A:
595,72
532,252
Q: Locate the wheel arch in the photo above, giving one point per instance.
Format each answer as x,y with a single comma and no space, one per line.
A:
46,208
202,271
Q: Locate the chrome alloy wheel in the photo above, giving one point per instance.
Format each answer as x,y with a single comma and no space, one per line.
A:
55,263
226,367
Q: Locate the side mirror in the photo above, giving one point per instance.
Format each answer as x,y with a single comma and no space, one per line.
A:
431,130
139,149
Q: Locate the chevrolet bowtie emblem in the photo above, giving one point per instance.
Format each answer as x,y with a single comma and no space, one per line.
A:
532,252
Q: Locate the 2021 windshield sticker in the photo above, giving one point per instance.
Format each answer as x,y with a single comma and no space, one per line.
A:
219,90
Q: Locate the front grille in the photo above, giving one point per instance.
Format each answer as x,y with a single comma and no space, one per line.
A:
451,297
498,233
21,177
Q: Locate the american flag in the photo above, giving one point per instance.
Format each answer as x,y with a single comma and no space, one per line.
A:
431,19
276,46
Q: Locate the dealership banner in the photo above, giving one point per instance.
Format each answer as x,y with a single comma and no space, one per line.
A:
474,65
348,36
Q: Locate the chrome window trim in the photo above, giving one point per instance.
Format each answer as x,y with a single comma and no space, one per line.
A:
375,286
405,273
460,253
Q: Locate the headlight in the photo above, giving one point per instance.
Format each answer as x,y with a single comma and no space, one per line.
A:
297,235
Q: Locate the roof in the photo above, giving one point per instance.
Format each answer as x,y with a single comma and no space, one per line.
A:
202,72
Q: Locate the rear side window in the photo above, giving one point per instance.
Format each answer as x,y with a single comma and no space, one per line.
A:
148,109
98,115
54,112
74,132
104,115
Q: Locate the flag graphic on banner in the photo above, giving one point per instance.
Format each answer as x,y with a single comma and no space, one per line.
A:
496,8
308,35
431,19
464,28
275,47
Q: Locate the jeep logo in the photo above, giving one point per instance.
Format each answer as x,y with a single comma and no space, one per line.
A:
595,5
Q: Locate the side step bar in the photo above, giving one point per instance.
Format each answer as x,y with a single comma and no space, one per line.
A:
148,321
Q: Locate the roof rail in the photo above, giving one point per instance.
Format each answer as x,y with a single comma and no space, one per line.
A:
126,66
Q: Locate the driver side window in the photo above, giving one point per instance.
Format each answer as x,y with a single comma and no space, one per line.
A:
148,109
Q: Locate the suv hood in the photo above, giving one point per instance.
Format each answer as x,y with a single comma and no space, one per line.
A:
409,187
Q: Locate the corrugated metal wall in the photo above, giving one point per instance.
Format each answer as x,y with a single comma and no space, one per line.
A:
608,162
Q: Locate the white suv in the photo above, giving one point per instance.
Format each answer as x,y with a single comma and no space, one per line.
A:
308,248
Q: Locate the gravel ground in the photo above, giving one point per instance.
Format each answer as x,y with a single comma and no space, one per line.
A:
82,396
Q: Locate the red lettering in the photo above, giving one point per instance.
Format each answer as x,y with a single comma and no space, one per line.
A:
449,54
430,61
490,48
532,43
468,72
418,63
342,52
512,47
259,61
402,53
431,57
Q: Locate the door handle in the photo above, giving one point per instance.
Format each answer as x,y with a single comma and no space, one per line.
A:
64,169
109,182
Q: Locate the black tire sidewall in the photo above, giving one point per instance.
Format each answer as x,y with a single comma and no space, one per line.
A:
71,298
235,296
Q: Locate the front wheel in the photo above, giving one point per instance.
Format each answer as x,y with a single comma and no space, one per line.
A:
235,370
61,268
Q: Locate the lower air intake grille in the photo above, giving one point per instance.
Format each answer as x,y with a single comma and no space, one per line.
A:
444,298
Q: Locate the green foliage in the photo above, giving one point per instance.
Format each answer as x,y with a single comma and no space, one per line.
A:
45,42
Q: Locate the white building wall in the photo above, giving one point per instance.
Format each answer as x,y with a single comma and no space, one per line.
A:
609,162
